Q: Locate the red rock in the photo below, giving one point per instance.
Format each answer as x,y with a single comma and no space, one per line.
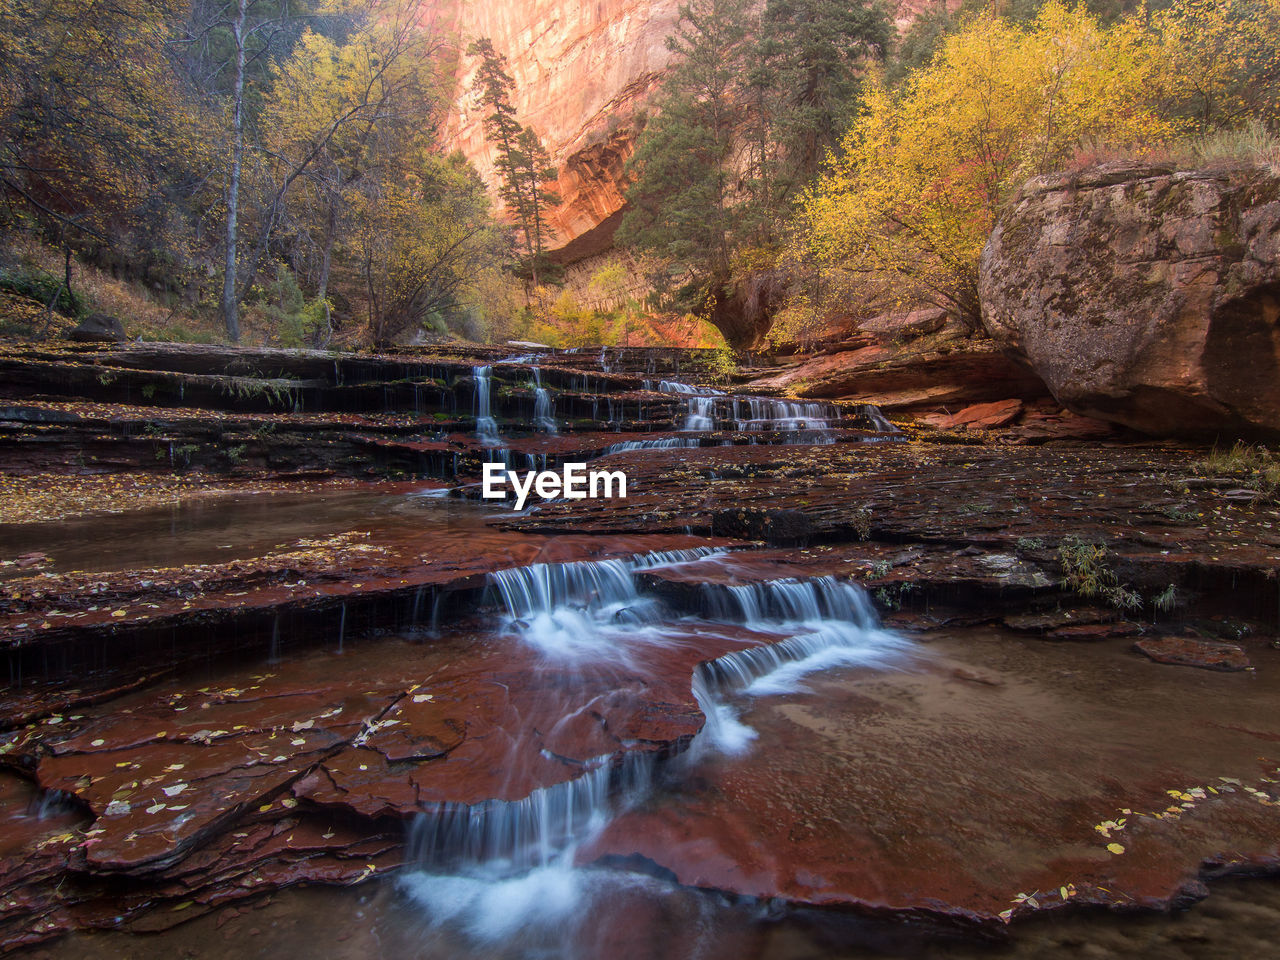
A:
1094,631
1145,295
979,416
1191,652
917,377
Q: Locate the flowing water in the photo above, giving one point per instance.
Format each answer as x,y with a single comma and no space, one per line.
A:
806,422
486,425
494,874
798,682
543,406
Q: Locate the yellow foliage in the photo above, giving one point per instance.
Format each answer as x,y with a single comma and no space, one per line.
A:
1221,60
916,188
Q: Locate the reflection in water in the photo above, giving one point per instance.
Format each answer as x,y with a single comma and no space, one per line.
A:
219,529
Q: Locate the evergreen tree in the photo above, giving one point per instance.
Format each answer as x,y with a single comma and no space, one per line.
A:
817,49
522,162
752,105
681,205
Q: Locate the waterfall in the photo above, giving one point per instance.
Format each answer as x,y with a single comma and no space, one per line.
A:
543,406
753,413
499,870
486,426
830,622
700,414
766,413
534,831
688,389
878,419
586,611
510,866
665,443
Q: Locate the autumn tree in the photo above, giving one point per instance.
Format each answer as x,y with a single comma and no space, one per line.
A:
1221,61
421,234
917,185
521,161
336,115
96,138
229,44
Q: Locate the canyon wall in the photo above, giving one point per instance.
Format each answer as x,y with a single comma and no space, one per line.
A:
583,71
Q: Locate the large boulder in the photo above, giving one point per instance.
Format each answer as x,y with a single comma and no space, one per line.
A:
98,328
1146,296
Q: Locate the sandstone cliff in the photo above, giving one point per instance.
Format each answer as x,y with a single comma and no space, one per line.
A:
1145,296
583,71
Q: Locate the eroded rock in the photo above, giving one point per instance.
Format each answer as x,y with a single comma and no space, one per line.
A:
1145,296
1192,652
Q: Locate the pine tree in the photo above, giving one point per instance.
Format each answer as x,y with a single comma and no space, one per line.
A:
522,162
816,49
752,105
681,205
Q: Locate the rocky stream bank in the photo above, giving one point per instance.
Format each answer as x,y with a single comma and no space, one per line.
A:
943,675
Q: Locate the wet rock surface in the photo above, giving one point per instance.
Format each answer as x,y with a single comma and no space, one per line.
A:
259,689
1071,776
1190,652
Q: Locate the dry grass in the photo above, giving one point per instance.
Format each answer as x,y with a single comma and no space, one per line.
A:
1252,465
1251,145
144,313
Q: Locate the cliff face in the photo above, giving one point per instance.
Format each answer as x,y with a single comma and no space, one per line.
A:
1145,296
581,72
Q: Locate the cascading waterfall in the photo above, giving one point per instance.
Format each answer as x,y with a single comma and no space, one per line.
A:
699,403
535,831
543,406
766,413
830,622
498,869
664,443
700,414
688,389
813,420
878,419
486,426
587,611
510,864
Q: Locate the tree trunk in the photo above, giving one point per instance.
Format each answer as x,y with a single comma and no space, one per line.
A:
326,262
230,298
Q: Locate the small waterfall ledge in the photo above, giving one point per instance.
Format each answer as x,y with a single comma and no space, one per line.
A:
595,617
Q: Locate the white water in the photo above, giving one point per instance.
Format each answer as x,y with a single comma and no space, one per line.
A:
701,414
543,406
589,611
498,871
486,426
766,413
665,443
878,419
811,422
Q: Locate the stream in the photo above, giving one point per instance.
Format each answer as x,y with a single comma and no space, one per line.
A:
426,725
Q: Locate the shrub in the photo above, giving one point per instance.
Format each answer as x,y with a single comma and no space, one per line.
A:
43,287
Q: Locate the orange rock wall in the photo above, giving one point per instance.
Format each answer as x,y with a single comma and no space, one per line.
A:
582,70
